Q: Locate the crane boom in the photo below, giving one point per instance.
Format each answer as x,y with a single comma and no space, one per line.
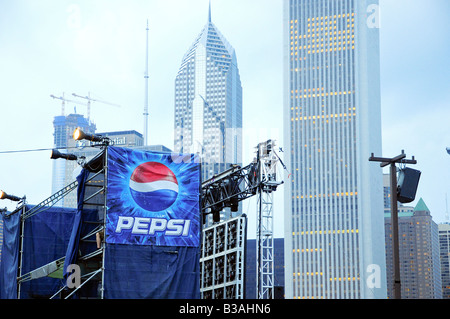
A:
64,100
88,97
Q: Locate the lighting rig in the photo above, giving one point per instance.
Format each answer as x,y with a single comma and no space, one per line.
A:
227,189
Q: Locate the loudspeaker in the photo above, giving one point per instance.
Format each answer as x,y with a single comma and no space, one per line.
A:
408,180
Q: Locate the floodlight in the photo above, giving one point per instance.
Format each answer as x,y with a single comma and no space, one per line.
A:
3,195
57,154
78,135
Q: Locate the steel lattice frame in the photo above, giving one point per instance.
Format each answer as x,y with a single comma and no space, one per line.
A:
267,160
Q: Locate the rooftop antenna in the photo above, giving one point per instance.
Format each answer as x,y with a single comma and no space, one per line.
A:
146,92
209,12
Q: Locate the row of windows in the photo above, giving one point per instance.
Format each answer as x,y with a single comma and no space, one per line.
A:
305,96
321,18
331,43
327,22
324,232
314,117
327,195
338,34
326,50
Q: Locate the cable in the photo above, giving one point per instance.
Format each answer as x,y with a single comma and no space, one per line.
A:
37,150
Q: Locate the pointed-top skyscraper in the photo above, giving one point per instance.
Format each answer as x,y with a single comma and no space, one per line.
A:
208,102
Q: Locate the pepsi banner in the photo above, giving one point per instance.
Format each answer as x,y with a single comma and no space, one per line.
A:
152,198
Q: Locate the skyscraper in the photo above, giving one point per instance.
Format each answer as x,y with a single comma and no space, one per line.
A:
420,267
444,253
334,237
208,102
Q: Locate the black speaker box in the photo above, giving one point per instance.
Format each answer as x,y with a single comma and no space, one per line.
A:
408,180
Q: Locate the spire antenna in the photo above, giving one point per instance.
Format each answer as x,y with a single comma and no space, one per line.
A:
146,92
209,12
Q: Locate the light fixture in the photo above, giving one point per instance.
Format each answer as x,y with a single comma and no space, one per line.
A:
3,195
448,150
78,135
57,154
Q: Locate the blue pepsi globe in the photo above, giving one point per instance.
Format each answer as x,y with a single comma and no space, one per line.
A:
153,186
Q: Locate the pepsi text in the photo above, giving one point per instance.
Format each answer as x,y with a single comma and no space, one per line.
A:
151,226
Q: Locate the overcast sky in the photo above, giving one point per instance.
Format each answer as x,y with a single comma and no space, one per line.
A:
55,47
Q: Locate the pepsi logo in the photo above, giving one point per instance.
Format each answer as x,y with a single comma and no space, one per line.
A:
153,186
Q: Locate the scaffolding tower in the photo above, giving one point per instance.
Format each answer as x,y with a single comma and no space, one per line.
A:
91,257
223,268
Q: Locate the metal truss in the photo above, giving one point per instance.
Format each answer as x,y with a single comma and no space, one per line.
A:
227,189
237,183
267,160
264,249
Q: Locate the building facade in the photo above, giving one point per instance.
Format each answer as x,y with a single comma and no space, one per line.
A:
334,241
420,268
208,102
64,126
444,254
278,269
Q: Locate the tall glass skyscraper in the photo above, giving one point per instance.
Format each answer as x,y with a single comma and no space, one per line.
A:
208,102
334,228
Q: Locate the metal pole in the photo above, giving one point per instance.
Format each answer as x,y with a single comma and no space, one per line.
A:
22,235
394,222
259,288
146,92
394,213
105,186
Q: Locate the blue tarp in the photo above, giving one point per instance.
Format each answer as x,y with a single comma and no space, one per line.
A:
151,272
10,257
46,236
72,248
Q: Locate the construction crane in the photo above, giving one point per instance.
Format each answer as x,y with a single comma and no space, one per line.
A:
64,100
89,99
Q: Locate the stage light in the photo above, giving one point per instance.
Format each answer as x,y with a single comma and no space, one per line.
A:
57,154
79,135
3,195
